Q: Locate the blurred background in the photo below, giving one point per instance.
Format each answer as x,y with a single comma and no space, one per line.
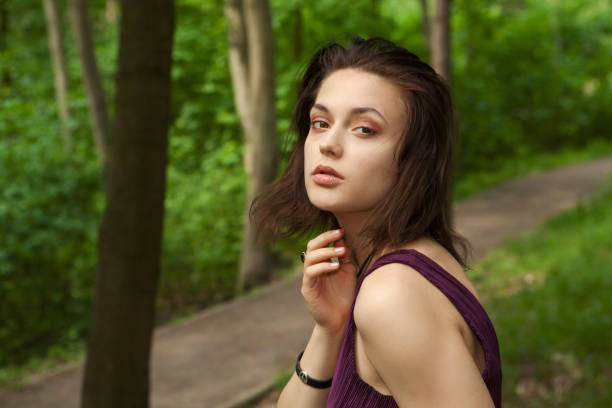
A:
532,83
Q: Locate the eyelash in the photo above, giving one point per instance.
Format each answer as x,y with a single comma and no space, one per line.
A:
369,131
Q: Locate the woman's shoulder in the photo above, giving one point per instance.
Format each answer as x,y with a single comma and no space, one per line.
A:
396,309
405,321
398,291
440,255
400,288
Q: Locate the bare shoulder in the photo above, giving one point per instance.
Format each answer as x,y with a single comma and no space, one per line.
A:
412,337
400,315
398,292
402,283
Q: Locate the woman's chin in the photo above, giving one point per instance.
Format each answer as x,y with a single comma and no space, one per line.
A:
328,206
332,207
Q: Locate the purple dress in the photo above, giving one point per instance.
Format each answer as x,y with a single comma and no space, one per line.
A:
350,391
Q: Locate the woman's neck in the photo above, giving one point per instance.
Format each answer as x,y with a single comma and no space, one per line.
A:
352,224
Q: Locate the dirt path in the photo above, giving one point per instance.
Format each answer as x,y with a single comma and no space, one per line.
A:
226,354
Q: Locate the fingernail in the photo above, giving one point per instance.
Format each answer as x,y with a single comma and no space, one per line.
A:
334,264
339,249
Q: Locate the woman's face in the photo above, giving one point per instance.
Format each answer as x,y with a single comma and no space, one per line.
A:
355,123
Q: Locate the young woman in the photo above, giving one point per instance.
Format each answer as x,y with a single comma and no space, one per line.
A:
397,321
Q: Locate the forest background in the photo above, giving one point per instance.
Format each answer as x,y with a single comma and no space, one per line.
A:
531,82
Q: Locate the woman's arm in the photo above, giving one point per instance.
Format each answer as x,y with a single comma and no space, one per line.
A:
328,289
319,361
412,338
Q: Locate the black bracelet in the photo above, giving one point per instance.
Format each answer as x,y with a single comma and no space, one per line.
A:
306,379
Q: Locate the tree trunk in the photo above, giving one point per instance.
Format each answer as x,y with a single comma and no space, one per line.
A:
98,112
236,38
56,49
118,354
440,39
251,45
5,74
111,11
425,25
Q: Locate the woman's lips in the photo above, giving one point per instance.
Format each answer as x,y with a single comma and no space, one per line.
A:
326,176
326,179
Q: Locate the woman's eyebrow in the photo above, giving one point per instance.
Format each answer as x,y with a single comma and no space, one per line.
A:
363,109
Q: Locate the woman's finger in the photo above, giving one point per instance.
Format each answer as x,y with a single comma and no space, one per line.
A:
345,256
323,254
320,268
324,239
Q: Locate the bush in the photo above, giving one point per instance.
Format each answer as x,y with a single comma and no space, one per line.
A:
49,209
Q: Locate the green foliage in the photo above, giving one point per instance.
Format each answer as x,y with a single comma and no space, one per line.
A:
50,204
203,111
48,213
549,299
510,167
526,79
203,231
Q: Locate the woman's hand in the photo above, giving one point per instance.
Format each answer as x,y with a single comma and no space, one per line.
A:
327,287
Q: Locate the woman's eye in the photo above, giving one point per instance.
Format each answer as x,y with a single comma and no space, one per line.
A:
318,124
366,130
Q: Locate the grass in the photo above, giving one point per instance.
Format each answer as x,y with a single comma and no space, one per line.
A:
16,376
549,294
475,181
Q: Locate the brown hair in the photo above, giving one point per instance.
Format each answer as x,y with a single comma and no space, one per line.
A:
420,202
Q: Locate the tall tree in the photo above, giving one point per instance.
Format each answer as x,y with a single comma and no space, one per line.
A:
56,49
5,74
130,236
251,51
98,112
440,39
111,11
425,25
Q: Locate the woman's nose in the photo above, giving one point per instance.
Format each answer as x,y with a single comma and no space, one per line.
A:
330,145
